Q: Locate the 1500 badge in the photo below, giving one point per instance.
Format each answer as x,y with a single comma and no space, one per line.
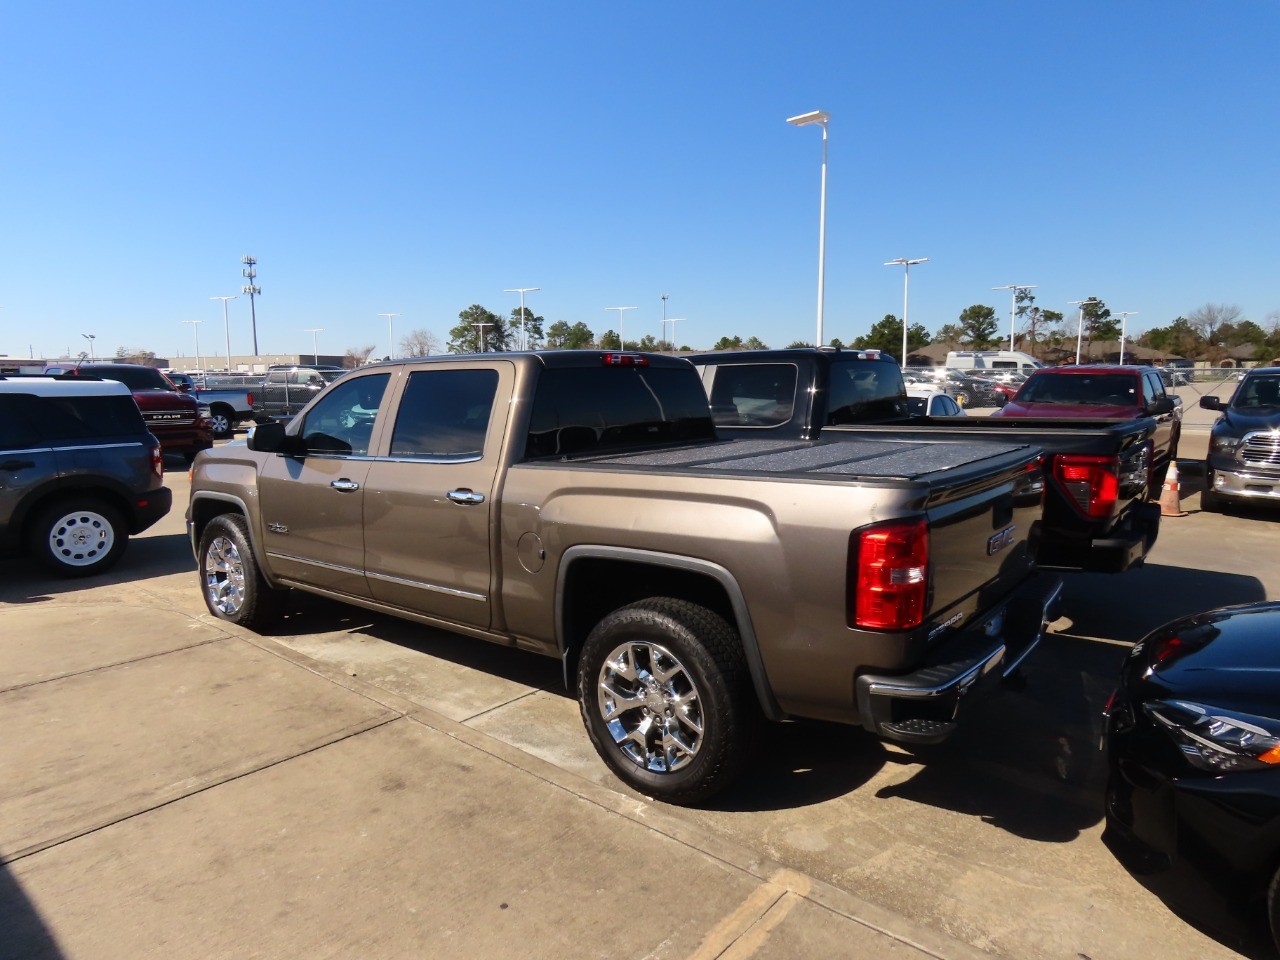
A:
999,541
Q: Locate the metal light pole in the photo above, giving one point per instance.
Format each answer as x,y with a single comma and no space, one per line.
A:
315,351
664,323
391,340
524,344
482,343
806,119
1124,316
1013,305
1079,325
906,290
250,272
90,337
674,321
622,340
226,327
195,327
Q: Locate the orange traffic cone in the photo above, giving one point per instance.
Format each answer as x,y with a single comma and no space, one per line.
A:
1170,499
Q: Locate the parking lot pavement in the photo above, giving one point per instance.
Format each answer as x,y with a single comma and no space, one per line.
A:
360,784
170,787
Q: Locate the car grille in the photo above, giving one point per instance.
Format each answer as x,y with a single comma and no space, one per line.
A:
176,418
1261,449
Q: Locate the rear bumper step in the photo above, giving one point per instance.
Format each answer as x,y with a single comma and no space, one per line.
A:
921,707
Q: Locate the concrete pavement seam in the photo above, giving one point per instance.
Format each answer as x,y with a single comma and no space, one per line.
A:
108,666
176,796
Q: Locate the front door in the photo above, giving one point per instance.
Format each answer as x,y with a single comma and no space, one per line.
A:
429,502
312,505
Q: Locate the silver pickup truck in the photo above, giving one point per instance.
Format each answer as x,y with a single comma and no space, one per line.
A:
579,504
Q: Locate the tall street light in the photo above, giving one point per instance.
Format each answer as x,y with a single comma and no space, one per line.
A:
524,343
481,327
1124,316
195,327
315,350
664,322
804,120
622,340
906,290
391,340
226,327
90,337
1079,325
1013,306
674,321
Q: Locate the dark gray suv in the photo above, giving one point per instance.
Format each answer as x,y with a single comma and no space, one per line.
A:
79,472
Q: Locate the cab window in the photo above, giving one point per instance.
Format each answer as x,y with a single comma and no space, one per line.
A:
753,394
444,415
341,422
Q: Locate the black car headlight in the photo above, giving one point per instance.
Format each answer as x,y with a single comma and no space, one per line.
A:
1222,443
1219,741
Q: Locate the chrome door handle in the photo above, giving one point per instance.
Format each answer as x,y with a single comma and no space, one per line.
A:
344,485
465,497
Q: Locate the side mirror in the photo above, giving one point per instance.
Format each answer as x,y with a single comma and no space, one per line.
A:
1211,403
183,387
270,437
1161,405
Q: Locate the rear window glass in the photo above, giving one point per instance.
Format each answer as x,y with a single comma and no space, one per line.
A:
135,378
861,392
582,409
27,420
1085,389
753,394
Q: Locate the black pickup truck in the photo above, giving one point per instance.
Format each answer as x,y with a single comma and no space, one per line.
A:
1098,473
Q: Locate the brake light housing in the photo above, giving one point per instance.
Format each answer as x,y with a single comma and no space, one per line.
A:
157,462
625,360
1092,483
888,575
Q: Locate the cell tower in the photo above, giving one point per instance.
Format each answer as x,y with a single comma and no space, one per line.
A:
250,273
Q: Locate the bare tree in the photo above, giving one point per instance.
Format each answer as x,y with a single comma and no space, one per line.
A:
419,343
1207,319
356,356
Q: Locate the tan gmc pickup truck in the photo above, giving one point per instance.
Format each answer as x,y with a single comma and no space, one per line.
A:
579,504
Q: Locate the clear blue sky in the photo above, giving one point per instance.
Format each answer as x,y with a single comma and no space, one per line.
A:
418,158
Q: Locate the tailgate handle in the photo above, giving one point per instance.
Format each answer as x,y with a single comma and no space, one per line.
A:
344,485
465,497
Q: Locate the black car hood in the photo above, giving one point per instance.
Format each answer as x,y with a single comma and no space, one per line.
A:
1228,658
1240,423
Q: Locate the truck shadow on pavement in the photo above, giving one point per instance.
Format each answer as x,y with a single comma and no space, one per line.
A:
24,932
146,558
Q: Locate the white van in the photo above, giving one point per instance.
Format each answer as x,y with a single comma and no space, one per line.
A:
1013,361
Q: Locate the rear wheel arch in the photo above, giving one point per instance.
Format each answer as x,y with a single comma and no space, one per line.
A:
35,504
594,581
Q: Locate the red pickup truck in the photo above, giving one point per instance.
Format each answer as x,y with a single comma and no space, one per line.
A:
1105,392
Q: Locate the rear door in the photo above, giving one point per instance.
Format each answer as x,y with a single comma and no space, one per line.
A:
312,505
26,458
429,504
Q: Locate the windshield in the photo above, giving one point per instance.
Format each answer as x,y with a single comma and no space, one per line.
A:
1258,393
1081,389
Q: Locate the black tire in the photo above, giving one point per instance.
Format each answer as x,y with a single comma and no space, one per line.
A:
1210,502
78,536
231,582
1273,908
708,682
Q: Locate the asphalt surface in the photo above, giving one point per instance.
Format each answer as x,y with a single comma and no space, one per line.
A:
358,785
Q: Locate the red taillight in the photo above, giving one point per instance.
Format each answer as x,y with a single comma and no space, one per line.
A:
1092,483
625,360
157,462
888,575
248,398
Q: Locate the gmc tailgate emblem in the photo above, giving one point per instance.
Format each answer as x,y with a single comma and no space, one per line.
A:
1003,539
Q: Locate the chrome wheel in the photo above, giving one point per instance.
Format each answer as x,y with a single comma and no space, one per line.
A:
224,576
650,706
221,424
81,538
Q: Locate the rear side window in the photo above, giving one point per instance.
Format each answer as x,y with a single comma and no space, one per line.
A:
753,394
444,414
582,409
861,392
28,421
